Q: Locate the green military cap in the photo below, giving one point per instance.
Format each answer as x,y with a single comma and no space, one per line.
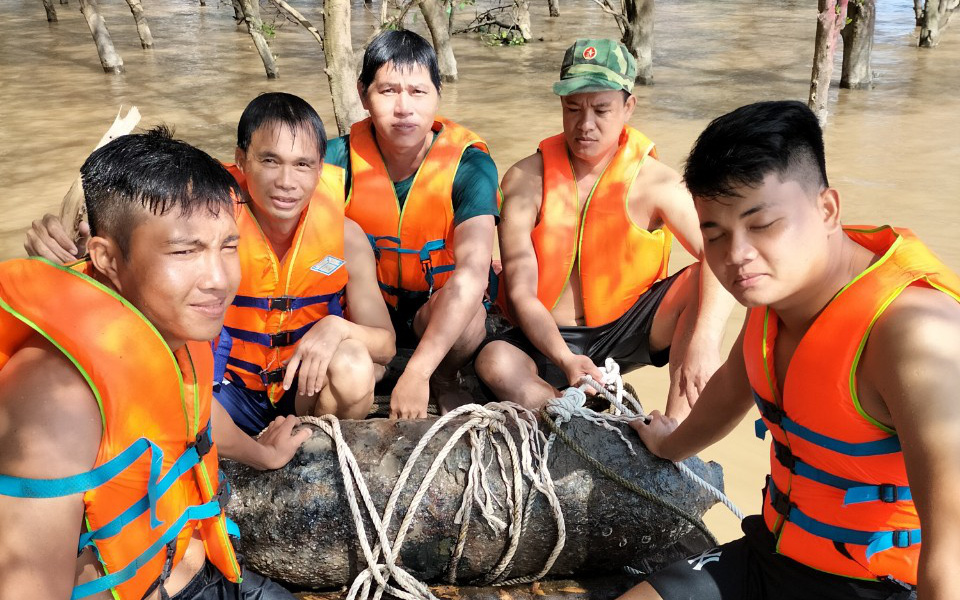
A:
596,66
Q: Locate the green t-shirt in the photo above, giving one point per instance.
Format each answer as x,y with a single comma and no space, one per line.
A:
474,185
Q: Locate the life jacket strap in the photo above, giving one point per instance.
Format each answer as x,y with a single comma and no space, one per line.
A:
194,452
774,415
856,491
286,303
875,541
426,262
197,512
267,376
271,340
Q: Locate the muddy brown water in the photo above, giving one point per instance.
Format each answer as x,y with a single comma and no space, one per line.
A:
892,151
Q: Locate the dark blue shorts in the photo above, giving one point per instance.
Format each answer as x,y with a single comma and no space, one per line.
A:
252,411
210,584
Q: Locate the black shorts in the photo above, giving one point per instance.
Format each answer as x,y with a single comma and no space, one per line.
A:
626,340
402,318
210,584
750,569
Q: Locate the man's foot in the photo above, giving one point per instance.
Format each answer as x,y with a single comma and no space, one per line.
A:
448,393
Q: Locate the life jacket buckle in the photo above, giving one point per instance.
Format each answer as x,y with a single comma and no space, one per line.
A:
903,538
780,502
784,456
282,303
774,414
274,376
203,442
426,265
223,495
281,338
888,493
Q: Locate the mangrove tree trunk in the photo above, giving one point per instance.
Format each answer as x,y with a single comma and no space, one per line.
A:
521,16
438,24
936,16
858,45
554,7
143,30
638,37
340,69
109,59
830,20
51,11
251,16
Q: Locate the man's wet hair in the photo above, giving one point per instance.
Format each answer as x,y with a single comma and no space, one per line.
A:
404,49
742,147
286,110
151,173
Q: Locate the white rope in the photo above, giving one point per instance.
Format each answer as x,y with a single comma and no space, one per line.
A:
525,458
521,459
573,405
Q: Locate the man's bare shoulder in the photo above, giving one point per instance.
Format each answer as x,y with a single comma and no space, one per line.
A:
656,177
525,178
353,236
50,424
917,336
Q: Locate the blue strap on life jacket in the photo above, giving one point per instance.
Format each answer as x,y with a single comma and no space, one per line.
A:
221,354
233,530
774,414
856,491
189,459
22,487
875,541
102,584
271,340
285,303
429,271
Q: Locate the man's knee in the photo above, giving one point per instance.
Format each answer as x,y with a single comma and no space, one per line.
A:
500,359
351,365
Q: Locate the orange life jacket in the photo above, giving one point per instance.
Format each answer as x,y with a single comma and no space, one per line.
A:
156,478
414,247
618,260
837,498
278,302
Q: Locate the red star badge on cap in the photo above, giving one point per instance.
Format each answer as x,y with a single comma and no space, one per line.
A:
589,52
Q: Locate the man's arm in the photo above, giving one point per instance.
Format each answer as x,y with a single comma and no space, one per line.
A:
47,238
49,428
912,361
522,190
674,206
725,400
454,307
369,321
272,450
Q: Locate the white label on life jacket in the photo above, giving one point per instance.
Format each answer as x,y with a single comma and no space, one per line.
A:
328,265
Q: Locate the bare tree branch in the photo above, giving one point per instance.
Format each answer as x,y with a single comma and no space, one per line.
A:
299,18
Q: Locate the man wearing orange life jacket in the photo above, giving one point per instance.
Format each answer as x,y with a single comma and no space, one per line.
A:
90,453
424,190
309,327
287,348
588,222
850,351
